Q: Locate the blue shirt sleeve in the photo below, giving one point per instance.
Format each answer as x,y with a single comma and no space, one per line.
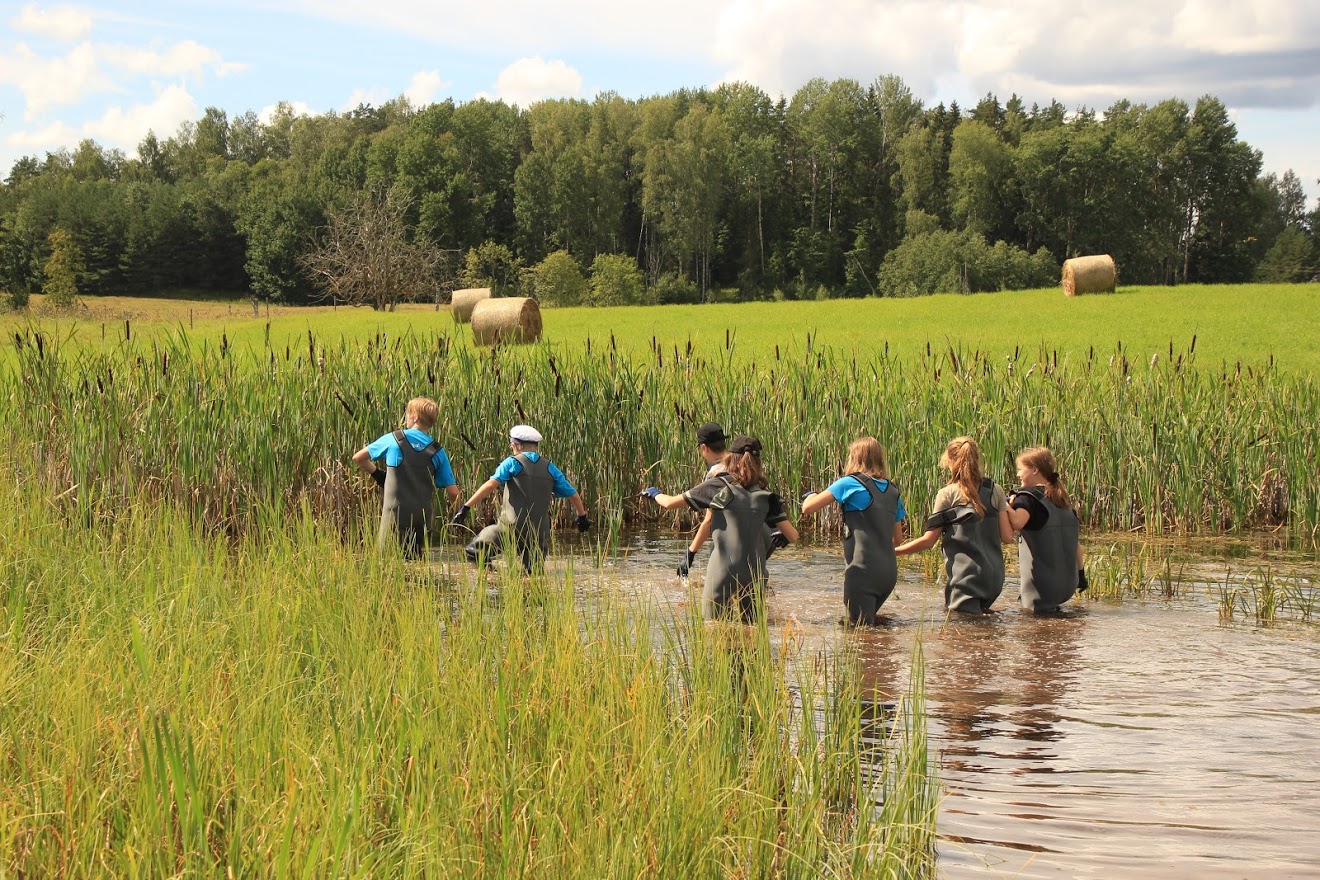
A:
850,494
444,471
508,469
563,488
385,447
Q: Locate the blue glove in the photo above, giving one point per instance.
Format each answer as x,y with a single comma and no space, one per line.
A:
651,492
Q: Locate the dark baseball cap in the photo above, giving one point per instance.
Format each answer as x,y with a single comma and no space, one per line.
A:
743,444
711,434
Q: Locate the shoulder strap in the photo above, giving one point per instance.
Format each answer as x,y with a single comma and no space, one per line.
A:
867,483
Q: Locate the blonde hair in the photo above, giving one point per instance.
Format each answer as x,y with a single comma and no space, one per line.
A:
962,457
867,456
1040,458
424,411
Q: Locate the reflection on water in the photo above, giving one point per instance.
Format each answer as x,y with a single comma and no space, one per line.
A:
1134,739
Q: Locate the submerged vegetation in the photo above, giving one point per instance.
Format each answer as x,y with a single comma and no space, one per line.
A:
178,703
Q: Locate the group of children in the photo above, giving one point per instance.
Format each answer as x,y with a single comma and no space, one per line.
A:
745,522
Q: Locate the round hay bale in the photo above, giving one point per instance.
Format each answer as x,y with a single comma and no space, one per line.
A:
464,301
509,319
1096,274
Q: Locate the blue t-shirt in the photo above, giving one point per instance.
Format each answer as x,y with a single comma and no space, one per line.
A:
387,448
852,495
511,467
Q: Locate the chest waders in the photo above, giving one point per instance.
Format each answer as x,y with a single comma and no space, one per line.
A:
1048,557
735,575
524,523
868,552
974,559
405,514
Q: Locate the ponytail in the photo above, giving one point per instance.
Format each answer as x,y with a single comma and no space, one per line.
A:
963,459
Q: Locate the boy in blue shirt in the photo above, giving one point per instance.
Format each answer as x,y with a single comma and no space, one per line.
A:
530,482
415,465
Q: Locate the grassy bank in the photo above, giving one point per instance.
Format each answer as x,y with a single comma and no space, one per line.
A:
177,704
1247,323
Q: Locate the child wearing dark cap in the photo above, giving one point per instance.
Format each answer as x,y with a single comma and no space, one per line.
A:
741,506
530,481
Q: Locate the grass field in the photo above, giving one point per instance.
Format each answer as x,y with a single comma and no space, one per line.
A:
1231,323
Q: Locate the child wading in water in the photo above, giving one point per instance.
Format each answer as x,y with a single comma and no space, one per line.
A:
873,517
415,466
530,482
971,514
1049,554
741,505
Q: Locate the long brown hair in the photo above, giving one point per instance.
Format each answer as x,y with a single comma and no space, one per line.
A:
866,455
963,459
745,468
1040,458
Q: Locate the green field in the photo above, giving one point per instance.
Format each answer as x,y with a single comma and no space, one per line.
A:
1248,323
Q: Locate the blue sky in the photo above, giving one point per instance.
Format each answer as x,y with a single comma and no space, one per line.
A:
111,71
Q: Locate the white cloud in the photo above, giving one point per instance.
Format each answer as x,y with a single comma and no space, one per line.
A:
63,23
528,80
118,127
372,97
299,108
424,86
91,68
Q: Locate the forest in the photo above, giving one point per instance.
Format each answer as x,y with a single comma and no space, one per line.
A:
701,194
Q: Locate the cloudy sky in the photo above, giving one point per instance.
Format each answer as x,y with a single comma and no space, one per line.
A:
112,70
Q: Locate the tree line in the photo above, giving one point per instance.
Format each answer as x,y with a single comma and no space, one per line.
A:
839,190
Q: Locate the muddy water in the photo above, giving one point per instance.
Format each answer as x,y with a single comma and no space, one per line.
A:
1141,738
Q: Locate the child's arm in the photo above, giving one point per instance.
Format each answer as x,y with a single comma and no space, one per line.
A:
1006,531
925,542
703,533
483,490
362,458
815,502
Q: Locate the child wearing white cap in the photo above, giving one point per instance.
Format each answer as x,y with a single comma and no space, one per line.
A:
530,481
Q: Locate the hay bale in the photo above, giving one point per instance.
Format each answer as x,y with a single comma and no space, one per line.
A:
1096,274
464,301
509,319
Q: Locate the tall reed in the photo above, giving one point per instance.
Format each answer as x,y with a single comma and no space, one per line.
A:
1158,447
281,704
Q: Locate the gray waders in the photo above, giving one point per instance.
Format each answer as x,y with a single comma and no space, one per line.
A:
1048,557
524,518
868,551
973,557
405,515
735,574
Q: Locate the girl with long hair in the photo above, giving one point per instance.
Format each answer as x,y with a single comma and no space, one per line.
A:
873,515
971,517
1049,554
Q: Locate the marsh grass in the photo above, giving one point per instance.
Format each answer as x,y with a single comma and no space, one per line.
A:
1266,596
1160,447
280,703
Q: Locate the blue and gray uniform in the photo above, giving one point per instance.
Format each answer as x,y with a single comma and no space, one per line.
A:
1047,551
735,574
415,465
871,508
530,482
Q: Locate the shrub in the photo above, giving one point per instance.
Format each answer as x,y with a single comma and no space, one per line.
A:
616,281
558,281
962,262
672,289
491,265
62,270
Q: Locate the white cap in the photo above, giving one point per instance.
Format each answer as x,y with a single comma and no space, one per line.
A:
524,434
